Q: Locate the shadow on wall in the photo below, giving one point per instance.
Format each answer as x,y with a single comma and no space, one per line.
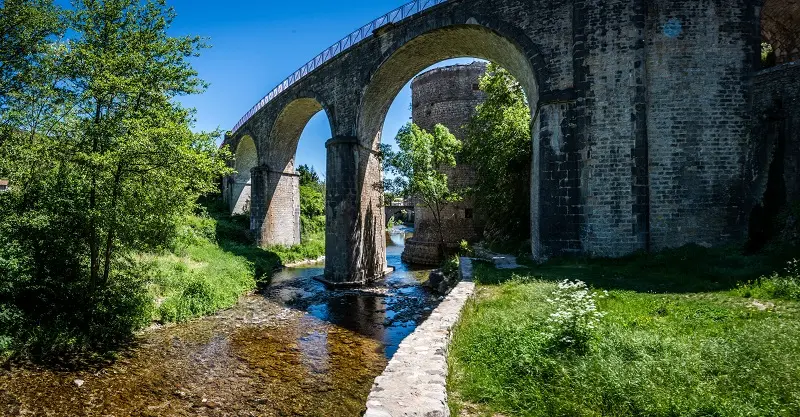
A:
776,161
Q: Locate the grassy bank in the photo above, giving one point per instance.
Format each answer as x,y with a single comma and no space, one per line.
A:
213,263
683,334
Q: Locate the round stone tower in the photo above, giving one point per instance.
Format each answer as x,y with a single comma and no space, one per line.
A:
447,95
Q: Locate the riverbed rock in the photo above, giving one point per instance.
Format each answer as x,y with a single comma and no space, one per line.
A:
440,282
78,382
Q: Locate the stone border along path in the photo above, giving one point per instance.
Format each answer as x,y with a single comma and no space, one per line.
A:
414,382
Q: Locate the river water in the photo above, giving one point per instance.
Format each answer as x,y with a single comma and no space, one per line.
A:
296,349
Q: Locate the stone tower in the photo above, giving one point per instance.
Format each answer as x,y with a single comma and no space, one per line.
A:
447,95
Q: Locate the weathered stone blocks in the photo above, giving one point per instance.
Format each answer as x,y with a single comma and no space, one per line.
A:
640,108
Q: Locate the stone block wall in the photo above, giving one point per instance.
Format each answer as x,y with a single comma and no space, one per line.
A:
775,161
447,96
698,118
275,207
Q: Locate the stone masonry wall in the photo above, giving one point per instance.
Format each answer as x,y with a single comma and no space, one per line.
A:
642,120
446,96
278,223
698,118
776,109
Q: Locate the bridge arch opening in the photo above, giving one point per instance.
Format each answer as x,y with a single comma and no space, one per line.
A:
424,51
420,54
240,188
285,219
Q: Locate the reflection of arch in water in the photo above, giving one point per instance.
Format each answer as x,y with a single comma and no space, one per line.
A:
240,183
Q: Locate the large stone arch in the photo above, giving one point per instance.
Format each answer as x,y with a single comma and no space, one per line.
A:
362,171
627,158
275,211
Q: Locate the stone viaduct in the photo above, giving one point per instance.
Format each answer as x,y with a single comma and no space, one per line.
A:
640,109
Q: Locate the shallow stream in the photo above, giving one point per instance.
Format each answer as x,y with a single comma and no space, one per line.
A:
296,349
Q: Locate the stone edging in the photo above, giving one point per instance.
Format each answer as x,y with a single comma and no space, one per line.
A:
415,381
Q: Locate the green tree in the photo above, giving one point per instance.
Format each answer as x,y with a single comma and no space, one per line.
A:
27,31
499,148
308,175
312,201
418,169
116,170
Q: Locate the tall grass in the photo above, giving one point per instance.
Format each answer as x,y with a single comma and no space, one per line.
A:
667,345
197,276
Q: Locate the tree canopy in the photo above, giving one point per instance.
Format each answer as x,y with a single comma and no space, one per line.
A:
499,147
101,158
418,168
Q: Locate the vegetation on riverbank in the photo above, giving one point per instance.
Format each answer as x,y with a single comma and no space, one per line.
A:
682,333
103,164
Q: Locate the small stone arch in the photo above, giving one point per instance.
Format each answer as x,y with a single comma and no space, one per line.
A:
284,134
240,183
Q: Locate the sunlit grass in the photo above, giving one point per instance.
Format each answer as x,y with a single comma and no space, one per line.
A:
676,340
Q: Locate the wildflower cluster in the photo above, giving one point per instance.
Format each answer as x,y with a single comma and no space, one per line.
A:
575,321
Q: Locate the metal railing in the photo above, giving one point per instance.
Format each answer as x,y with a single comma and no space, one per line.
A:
360,34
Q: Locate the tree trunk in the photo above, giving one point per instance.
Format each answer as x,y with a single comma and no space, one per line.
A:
94,250
113,223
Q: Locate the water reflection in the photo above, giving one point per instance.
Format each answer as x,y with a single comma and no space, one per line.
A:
387,311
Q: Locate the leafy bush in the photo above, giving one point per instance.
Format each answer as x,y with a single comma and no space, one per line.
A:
312,247
464,249
499,148
575,322
450,266
775,286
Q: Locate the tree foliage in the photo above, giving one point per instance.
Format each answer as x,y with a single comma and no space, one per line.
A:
418,168
312,201
499,148
102,162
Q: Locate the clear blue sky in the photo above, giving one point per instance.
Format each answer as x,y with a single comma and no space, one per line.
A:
257,44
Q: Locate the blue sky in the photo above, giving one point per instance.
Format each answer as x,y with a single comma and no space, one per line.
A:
257,44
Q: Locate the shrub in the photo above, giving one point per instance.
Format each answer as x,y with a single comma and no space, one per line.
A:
464,249
450,266
777,286
574,323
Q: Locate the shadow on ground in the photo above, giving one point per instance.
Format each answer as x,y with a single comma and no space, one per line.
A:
683,270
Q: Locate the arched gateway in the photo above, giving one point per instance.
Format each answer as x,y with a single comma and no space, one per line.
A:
640,121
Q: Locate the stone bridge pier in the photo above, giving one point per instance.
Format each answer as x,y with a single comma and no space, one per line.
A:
354,235
640,126
275,207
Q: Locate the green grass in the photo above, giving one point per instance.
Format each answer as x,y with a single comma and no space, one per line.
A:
213,263
312,247
680,338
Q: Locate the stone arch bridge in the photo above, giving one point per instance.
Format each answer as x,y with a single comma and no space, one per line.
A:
640,127
397,209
